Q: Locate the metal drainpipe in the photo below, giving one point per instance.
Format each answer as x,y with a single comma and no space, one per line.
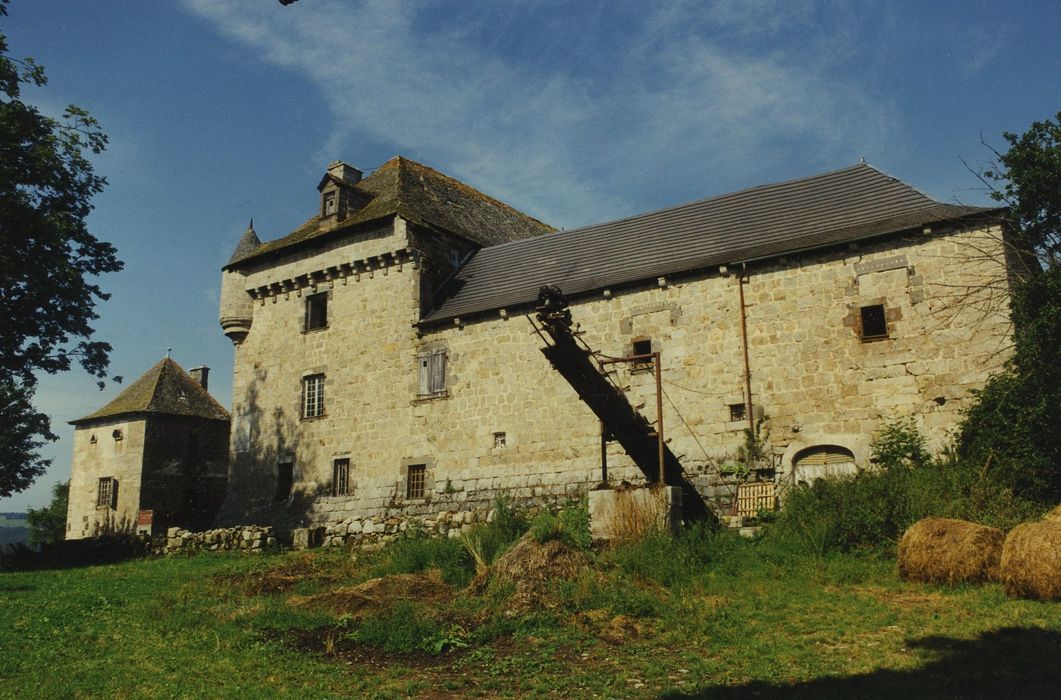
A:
741,280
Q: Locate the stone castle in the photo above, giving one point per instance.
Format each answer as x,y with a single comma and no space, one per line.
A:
387,365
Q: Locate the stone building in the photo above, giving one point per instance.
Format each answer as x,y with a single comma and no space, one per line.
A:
156,456
384,363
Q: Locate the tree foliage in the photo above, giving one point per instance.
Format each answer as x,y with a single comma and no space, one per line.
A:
48,259
1013,426
48,524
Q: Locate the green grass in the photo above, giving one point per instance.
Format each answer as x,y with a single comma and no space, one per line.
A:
701,616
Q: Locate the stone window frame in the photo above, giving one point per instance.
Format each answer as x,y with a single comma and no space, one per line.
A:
641,340
427,484
738,412
500,439
883,323
308,411
310,321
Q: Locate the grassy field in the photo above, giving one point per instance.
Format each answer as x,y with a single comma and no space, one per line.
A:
706,616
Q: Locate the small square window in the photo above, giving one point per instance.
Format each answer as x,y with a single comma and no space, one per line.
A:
641,347
414,484
738,411
500,440
873,323
341,477
285,479
316,311
313,396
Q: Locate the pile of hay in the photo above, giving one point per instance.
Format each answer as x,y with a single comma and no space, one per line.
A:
1031,559
941,550
379,593
529,566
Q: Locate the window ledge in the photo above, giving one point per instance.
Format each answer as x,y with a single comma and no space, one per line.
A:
874,338
303,419
315,330
424,398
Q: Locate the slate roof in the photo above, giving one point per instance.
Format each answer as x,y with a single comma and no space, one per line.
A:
770,220
247,246
421,195
164,389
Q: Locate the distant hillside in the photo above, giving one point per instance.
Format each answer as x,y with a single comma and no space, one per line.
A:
13,529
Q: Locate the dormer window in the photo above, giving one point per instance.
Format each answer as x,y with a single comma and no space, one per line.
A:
329,203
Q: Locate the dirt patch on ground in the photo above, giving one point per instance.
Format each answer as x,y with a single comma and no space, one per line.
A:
378,593
905,599
528,567
282,578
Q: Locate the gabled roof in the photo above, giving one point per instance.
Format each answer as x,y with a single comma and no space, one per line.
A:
164,389
421,195
771,220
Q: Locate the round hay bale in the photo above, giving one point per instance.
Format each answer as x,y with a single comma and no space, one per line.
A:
1031,561
1054,516
942,550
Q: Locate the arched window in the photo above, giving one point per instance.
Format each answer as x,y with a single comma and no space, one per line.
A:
821,461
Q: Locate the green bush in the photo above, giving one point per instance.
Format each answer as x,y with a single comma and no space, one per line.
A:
874,508
419,552
569,525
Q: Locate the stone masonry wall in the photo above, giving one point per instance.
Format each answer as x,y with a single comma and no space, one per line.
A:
510,424
114,449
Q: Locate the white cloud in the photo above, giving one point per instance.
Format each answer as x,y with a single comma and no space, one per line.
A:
694,91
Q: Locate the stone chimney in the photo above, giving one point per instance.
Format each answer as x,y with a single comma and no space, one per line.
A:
341,170
201,375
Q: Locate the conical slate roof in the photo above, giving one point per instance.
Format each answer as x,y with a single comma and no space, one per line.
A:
164,389
247,246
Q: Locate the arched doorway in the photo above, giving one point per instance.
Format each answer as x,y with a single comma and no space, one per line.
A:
821,461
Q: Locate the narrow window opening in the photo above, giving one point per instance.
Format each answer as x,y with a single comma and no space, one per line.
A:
92,440
500,440
313,396
738,411
285,478
432,373
328,205
414,483
316,311
874,324
341,477
117,435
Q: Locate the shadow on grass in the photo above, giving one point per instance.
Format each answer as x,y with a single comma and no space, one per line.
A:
1012,662
69,554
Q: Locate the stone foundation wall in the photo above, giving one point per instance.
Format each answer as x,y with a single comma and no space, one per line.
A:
248,537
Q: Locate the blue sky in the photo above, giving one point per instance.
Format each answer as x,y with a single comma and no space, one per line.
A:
575,112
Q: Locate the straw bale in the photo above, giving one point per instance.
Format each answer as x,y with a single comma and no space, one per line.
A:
942,550
1031,561
1054,515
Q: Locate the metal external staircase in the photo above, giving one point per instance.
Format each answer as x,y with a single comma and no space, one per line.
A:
620,421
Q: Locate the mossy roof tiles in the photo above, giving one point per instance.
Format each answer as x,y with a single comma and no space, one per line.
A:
165,389
418,194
